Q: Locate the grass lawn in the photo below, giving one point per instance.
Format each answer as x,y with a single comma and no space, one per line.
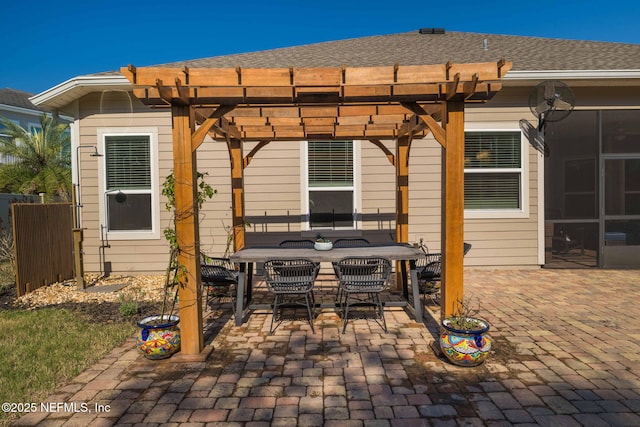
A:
42,349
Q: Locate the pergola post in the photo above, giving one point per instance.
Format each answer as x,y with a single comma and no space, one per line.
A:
187,231
452,222
402,197
237,193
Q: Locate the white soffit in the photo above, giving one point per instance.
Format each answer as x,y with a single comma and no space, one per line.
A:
577,77
67,92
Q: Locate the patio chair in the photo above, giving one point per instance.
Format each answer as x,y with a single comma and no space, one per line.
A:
219,278
303,243
361,281
429,273
291,280
347,243
350,243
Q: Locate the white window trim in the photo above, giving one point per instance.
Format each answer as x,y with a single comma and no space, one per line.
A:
154,233
523,212
304,184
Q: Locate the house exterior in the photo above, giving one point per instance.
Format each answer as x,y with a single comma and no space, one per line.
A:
16,106
574,204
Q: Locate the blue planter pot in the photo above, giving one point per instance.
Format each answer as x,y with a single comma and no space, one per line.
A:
159,336
465,347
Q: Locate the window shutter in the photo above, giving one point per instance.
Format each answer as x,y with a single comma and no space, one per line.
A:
128,162
330,163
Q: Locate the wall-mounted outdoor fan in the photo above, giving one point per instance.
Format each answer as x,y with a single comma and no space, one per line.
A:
549,101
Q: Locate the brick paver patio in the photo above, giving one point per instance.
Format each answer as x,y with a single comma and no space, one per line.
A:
567,353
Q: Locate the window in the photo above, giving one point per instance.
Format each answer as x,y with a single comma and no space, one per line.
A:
35,128
8,159
130,197
330,181
493,174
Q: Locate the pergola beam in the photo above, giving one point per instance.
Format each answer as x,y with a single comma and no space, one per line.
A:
430,119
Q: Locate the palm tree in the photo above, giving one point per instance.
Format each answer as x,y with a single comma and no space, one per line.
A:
39,159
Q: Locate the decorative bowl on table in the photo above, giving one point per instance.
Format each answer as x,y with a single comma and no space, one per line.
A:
323,245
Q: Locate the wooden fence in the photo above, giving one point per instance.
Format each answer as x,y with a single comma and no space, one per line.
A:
43,240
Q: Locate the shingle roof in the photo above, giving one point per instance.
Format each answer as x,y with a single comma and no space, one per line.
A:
17,98
526,53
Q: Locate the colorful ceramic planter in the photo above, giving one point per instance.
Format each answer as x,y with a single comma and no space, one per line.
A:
159,336
465,347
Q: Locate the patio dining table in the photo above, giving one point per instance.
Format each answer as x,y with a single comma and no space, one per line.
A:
396,252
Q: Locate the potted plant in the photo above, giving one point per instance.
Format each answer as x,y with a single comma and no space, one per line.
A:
464,340
322,243
159,335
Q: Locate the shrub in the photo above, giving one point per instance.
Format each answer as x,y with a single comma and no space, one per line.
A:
129,306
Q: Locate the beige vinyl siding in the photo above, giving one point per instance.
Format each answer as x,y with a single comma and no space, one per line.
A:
377,192
425,192
273,189
215,215
505,241
141,256
148,256
496,241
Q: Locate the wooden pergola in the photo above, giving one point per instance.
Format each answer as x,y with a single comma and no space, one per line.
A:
265,105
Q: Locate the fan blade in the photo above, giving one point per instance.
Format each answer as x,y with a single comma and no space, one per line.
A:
560,104
543,107
549,90
534,137
551,100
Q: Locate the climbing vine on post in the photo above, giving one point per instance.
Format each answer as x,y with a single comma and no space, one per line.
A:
205,192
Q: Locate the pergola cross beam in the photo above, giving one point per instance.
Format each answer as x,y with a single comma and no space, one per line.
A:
316,103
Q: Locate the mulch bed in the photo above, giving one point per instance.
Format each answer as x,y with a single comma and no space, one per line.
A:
96,305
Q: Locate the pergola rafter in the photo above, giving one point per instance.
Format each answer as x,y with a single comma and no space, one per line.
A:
316,103
266,105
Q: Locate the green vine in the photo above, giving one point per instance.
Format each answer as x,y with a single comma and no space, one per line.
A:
175,271
205,192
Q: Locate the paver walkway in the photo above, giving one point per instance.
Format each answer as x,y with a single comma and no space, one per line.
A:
566,346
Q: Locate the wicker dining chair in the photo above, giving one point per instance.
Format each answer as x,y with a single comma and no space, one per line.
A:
351,243
303,243
291,281
429,273
219,278
347,243
361,281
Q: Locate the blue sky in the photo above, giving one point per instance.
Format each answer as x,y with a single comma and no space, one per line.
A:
46,44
